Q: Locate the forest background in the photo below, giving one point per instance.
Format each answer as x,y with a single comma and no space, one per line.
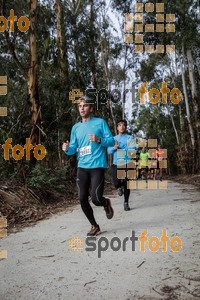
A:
79,45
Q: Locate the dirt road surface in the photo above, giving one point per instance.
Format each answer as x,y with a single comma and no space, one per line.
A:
41,264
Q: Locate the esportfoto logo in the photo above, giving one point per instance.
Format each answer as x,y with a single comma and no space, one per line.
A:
153,244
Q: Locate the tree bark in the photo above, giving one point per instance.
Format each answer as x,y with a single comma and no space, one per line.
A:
92,50
192,137
63,60
33,80
196,105
171,116
174,126
105,61
124,88
30,76
63,63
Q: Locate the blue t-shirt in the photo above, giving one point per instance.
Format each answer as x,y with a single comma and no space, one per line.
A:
91,155
125,142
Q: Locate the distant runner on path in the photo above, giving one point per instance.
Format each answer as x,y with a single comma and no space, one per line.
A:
90,138
122,141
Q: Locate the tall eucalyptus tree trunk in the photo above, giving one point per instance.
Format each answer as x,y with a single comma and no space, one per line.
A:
196,103
191,130
32,76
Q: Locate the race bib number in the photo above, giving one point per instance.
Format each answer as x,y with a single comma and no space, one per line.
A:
85,150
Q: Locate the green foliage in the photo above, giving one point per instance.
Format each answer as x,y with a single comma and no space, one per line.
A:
86,43
41,177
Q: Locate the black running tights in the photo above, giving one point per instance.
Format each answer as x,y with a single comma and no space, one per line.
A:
118,183
90,182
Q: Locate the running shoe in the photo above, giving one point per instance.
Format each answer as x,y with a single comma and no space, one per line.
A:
95,229
120,191
108,209
126,207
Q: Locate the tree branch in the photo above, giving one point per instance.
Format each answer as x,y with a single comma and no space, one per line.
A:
11,48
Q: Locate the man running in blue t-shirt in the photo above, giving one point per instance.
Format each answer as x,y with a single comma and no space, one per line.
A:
90,138
122,141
